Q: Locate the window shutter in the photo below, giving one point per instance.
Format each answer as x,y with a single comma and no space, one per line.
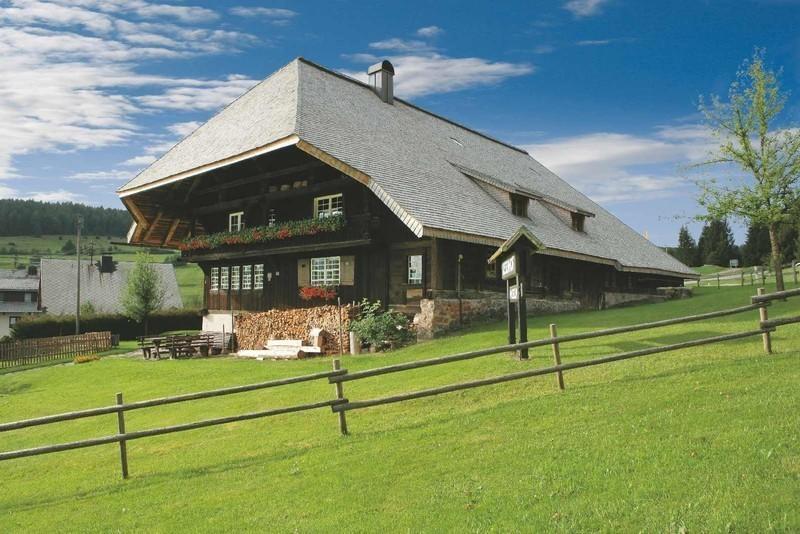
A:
303,272
347,270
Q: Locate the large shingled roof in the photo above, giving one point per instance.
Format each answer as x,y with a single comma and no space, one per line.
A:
414,161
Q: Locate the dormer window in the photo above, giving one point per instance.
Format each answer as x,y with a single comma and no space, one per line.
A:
519,205
578,220
328,205
236,221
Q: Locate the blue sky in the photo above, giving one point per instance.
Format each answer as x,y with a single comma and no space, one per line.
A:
604,92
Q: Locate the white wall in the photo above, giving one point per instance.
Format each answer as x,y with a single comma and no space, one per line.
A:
214,322
5,329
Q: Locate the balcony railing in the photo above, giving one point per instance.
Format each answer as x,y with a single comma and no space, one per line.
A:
289,231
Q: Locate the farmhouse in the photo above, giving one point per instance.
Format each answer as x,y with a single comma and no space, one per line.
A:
102,284
19,296
313,184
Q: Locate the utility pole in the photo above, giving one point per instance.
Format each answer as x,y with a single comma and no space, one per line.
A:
78,223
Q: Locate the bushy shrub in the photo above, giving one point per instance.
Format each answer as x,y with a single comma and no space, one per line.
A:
381,328
46,325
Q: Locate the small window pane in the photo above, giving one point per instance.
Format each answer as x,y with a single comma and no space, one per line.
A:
327,206
236,221
223,278
235,277
215,279
415,269
258,276
247,277
325,271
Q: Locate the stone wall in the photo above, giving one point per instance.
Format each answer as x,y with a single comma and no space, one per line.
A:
440,315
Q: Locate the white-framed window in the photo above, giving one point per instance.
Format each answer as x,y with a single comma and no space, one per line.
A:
215,279
235,221
415,269
326,271
13,320
258,276
235,273
223,278
491,271
247,276
272,218
328,205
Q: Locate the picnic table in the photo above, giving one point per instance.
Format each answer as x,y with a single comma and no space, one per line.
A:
177,346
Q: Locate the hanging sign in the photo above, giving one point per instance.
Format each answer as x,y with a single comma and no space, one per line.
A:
514,292
509,267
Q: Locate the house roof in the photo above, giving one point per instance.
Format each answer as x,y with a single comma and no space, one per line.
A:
103,290
18,280
413,160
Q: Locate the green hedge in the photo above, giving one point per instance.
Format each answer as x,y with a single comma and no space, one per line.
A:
63,325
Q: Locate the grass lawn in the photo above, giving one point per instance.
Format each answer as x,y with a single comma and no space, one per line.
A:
704,439
190,284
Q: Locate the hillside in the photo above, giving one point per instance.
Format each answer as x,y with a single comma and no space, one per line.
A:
34,218
695,440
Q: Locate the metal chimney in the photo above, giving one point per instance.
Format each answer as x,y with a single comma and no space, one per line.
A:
381,79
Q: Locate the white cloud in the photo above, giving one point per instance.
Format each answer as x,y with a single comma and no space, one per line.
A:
584,8
62,195
429,31
199,95
182,129
69,67
544,49
138,161
100,176
615,167
418,75
594,42
400,45
275,15
8,192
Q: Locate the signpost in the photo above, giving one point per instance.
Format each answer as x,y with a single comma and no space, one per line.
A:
514,256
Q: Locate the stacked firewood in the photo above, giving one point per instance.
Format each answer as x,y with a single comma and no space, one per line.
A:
255,329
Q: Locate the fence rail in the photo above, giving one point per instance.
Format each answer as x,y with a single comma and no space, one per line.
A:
32,351
338,377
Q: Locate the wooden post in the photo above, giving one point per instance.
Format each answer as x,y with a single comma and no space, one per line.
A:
340,395
341,339
763,276
557,356
123,448
522,311
752,277
763,316
718,281
512,319
742,272
794,269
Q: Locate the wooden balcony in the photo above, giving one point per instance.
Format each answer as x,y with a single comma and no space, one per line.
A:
356,230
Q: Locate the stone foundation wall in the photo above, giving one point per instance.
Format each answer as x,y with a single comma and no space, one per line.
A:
440,315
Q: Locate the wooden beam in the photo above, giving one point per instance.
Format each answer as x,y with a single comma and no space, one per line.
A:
320,187
333,162
249,252
258,177
153,226
172,227
141,220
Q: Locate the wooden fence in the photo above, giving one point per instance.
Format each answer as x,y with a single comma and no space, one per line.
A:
339,377
33,351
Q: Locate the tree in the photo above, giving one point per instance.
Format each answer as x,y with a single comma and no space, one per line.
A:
716,244
143,292
686,252
770,158
756,248
68,247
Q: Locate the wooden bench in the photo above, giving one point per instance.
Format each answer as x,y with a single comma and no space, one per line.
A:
151,346
186,346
